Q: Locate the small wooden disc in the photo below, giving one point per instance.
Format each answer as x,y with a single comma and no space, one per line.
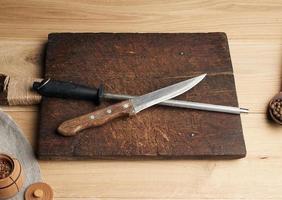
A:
39,191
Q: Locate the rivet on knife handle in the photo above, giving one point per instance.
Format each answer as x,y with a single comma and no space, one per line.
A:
97,118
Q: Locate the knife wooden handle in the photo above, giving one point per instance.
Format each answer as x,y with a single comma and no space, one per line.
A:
73,126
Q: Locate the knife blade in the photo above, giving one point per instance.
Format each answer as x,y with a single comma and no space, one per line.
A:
126,108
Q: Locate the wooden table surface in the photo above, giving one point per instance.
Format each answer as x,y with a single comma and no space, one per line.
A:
254,29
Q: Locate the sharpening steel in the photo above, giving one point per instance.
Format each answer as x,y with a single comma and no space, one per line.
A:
64,89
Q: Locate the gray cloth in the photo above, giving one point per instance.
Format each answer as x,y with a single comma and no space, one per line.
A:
13,142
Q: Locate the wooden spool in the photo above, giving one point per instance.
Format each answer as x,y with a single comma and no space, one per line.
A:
39,191
11,185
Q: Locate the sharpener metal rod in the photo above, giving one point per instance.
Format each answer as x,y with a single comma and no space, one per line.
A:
187,104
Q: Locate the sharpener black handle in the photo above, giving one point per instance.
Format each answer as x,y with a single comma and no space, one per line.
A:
68,90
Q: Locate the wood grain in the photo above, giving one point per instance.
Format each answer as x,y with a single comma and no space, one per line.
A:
35,19
255,39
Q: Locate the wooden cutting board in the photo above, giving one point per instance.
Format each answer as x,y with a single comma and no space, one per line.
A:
135,64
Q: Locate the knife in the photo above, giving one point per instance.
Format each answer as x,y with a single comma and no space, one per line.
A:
70,90
126,108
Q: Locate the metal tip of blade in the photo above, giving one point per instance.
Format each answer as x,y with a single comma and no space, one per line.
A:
200,78
244,110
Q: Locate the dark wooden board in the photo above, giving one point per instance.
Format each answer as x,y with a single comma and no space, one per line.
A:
133,63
